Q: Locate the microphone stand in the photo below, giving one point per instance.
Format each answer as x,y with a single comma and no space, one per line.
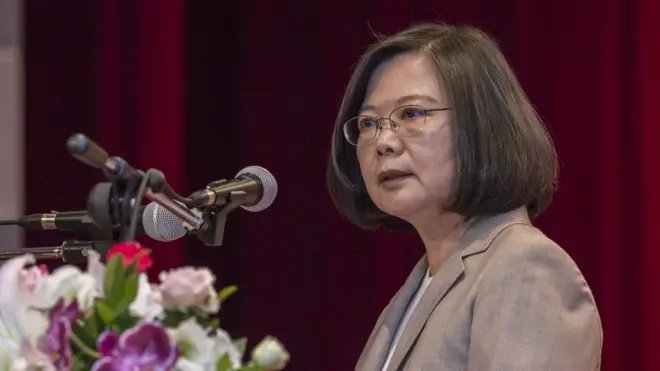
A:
110,204
71,251
114,203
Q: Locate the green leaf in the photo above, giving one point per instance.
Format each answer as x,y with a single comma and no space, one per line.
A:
92,324
241,345
173,318
78,365
131,286
251,366
82,334
198,313
227,292
132,268
121,308
114,274
205,319
186,348
81,360
213,323
126,322
224,363
106,314
125,295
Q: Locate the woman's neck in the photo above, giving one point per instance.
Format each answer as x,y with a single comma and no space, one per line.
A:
440,235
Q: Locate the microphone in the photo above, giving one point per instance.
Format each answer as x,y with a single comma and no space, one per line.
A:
156,222
72,251
161,224
61,221
73,221
253,188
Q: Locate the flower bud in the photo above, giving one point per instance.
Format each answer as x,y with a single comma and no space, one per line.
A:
270,354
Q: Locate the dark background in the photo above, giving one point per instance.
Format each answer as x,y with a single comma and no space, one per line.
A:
201,89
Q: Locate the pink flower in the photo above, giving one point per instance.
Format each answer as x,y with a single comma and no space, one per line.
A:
131,251
189,287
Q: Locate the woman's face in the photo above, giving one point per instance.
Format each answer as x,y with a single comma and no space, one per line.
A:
407,172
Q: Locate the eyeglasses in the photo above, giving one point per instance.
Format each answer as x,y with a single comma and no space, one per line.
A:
405,121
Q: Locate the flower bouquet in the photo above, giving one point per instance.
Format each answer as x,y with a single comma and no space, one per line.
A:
110,318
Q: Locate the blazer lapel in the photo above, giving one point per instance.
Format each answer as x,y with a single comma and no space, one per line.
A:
377,346
475,240
441,284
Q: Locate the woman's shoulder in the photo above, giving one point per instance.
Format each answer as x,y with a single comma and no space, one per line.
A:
525,241
527,287
522,250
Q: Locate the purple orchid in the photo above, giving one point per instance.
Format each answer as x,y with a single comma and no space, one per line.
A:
57,341
146,347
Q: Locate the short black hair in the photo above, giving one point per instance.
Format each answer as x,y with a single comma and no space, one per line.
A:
504,156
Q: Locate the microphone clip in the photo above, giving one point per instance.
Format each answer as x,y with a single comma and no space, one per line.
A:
216,218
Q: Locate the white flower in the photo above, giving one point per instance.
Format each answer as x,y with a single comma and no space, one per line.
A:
189,287
68,282
96,269
147,303
270,354
200,351
21,294
222,344
26,295
32,359
25,358
8,357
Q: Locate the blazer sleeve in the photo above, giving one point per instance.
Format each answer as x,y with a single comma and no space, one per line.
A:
534,311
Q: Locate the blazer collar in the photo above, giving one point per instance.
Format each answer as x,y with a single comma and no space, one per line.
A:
476,239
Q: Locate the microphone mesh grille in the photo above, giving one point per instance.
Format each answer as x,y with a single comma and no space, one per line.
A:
160,224
268,183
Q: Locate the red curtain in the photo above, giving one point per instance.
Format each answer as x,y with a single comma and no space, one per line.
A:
201,89
140,90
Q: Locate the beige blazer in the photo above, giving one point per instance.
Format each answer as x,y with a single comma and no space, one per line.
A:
508,299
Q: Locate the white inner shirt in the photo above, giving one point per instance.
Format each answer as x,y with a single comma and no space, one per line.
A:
406,316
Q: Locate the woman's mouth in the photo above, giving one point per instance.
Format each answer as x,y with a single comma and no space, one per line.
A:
393,176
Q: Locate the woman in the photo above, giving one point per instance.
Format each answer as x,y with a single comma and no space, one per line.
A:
436,134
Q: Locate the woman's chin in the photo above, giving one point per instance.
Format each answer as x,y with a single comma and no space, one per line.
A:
403,208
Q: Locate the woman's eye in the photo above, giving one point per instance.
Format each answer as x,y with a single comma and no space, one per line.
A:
412,113
368,123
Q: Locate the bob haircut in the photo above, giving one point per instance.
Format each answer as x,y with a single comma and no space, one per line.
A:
504,156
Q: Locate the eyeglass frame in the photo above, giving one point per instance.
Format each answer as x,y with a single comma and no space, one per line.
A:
379,120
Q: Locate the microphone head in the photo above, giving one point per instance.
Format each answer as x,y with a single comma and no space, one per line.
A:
161,224
268,185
